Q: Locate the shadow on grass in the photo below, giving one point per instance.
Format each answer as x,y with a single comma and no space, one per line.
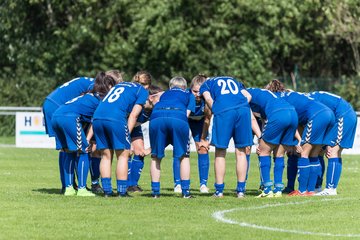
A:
56,191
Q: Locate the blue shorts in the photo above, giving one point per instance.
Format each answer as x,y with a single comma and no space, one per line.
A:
137,132
280,127
49,107
317,126
234,123
111,134
342,132
164,131
196,128
69,133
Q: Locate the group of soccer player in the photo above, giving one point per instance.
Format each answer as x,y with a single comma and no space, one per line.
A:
91,119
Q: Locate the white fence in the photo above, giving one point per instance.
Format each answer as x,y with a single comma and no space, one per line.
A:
30,130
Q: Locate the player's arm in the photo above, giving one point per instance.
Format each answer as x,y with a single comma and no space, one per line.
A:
208,99
205,131
255,126
132,119
89,135
298,147
246,94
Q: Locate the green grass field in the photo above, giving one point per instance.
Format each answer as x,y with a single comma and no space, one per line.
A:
32,208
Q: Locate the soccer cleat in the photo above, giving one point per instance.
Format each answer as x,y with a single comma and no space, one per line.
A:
309,194
69,191
62,191
277,194
96,188
218,195
83,192
177,189
297,193
136,188
204,189
317,190
288,190
187,196
327,192
240,195
125,195
155,195
265,195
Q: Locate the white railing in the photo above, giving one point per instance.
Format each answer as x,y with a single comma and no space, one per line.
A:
13,110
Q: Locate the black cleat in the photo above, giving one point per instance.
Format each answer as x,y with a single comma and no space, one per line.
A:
125,195
136,188
96,188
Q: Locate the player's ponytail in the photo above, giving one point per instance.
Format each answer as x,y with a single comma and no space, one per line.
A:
103,83
276,86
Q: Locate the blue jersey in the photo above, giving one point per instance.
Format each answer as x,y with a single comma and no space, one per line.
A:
120,101
266,102
198,114
174,102
225,92
144,116
70,90
305,107
83,106
337,104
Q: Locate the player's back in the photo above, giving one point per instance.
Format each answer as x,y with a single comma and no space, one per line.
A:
305,106
175,101
266,101
225,92
71,89
83,106
336,103
120,101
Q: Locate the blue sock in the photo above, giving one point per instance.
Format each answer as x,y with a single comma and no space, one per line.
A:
137,166
95,169
333,172
265,165
303,173
203,165
291,170
106,185
62,156
248,165
185,187
82,169
130,182
176,171
315,172
155,188
278,173
121,186
320,179
69,166
240,187
219,188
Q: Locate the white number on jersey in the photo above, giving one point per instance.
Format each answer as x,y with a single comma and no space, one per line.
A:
228,86
67,83
113,95
74,99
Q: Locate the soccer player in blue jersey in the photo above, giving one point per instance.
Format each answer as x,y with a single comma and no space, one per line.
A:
114,120
316,118
137,141
60,96
169,125
199,122
67,123
280,125
340,136
229,102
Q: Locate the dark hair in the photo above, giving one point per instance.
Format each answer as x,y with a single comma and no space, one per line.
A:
147,76
276,86
103,83
154,89
198,80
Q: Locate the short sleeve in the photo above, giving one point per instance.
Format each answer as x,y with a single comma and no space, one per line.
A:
142,96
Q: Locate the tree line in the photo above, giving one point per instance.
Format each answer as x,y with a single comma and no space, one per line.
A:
310,44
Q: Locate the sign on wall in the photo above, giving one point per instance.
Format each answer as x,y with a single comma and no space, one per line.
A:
30,131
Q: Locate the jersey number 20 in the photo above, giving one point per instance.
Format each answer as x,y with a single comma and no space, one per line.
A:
228,86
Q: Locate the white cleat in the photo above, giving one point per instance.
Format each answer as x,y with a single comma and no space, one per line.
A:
327,192
204,189
177,189
240,195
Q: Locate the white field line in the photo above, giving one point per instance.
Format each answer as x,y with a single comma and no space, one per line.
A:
220,216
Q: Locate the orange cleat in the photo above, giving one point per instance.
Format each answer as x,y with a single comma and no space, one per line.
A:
296,193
